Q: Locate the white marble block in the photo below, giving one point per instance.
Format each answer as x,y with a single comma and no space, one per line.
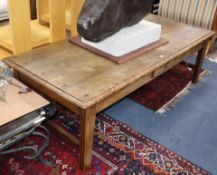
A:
128,39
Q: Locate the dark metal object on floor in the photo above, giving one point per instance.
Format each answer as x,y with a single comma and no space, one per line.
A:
18,130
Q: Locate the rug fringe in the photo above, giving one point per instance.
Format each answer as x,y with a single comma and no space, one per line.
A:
204,74
214,60
188,88
172,103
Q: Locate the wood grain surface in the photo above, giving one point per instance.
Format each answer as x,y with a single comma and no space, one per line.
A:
86,78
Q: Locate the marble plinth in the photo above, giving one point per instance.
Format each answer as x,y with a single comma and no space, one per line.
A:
128,39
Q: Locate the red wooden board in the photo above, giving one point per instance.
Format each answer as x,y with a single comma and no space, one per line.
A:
119,60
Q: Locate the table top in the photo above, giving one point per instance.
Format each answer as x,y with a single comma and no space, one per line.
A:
86,79
17,105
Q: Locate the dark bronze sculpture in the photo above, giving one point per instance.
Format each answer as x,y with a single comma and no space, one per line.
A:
100,19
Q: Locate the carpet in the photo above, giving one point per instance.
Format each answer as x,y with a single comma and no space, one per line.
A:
117,149
163,92
189,129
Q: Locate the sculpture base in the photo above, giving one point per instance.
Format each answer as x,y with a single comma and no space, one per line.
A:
128,39
124,58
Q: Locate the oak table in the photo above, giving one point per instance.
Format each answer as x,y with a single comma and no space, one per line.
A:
87,84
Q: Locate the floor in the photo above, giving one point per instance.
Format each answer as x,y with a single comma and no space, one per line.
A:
190,129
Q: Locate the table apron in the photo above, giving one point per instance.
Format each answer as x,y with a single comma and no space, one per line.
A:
146,78
39,87
59,96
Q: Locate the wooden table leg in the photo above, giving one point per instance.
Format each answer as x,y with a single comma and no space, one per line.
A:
87,119
199,62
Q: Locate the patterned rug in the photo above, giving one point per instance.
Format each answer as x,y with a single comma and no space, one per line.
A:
163,92
117,149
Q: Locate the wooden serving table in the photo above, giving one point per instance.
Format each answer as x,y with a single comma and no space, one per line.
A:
87,84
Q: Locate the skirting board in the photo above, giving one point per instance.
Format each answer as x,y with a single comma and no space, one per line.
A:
119,60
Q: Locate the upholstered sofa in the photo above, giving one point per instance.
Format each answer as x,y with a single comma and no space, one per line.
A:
199,13
3,10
